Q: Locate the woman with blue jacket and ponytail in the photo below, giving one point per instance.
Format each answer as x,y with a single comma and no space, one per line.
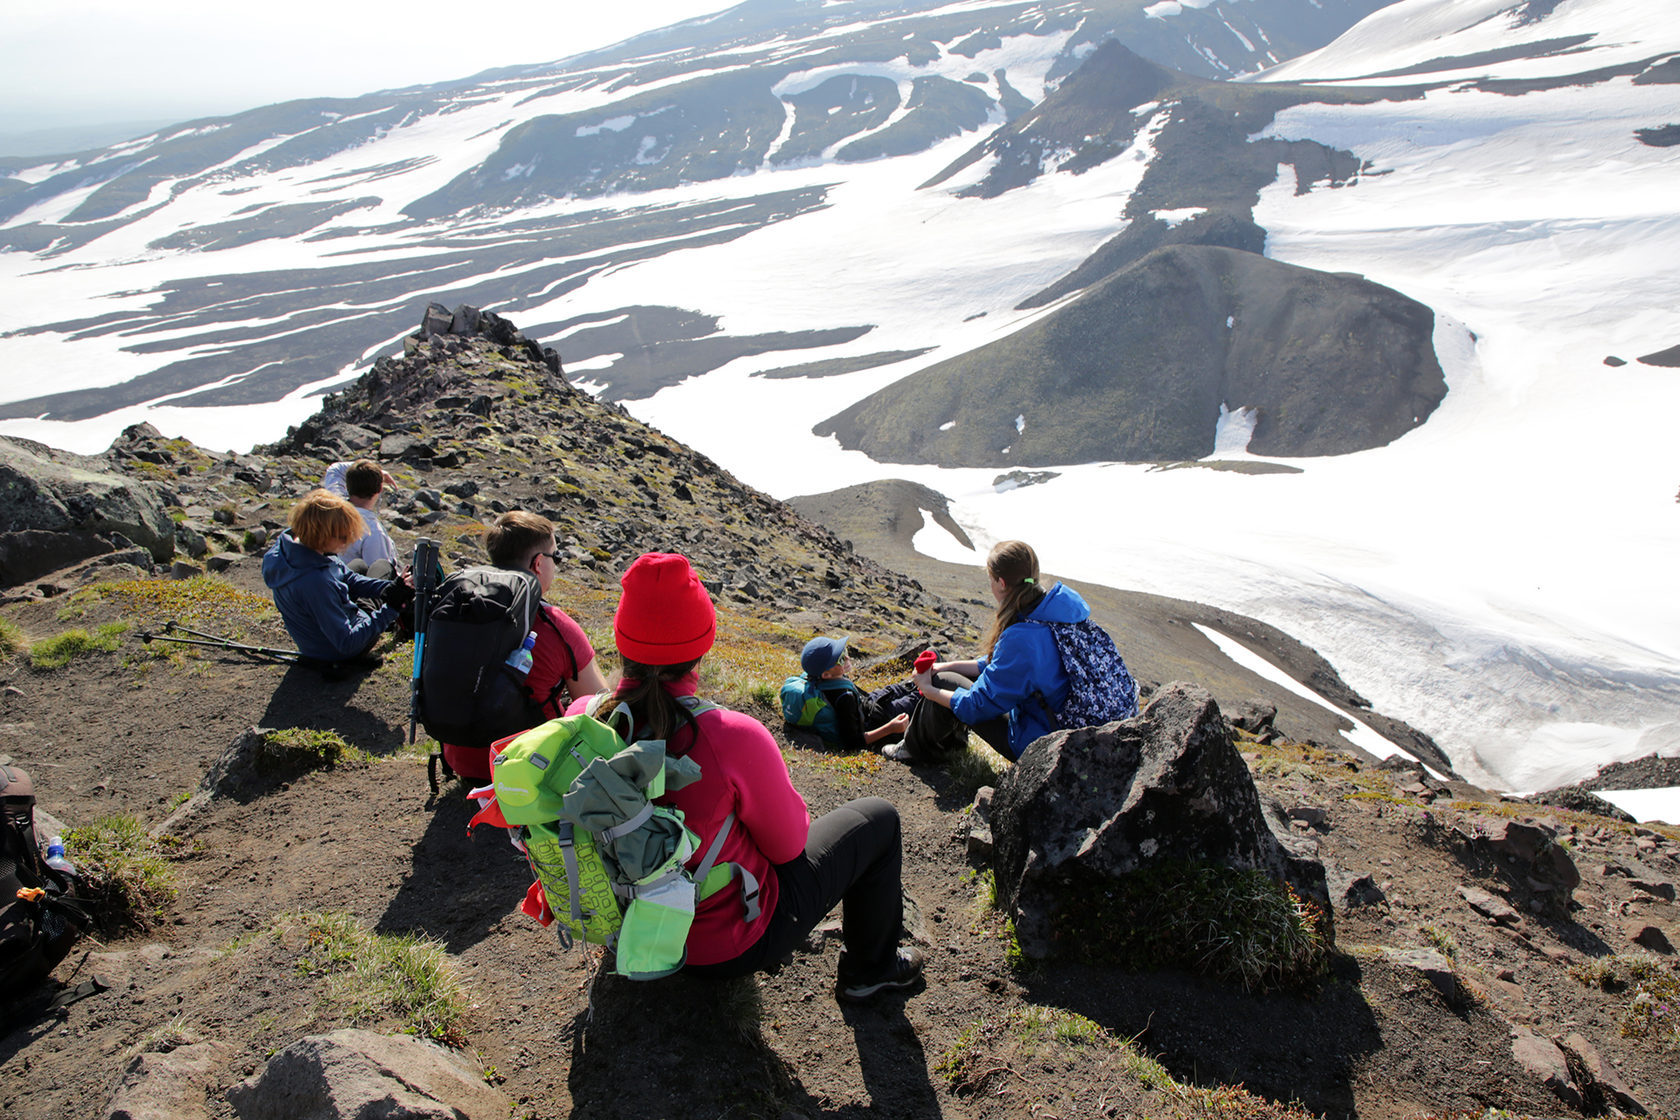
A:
1021,674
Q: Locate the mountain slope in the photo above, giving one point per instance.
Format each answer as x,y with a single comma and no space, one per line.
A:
1144,365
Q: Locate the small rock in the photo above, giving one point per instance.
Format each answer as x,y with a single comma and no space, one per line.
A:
183,570
1606,1081
1431,965
222,561
1542,1058
1489,906
1649,937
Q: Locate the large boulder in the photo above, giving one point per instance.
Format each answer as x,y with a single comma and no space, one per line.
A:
1088,806
59,508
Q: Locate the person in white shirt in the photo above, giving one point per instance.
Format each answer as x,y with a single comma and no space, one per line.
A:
362,482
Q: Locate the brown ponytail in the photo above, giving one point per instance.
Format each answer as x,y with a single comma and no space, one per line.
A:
1016,564
642,689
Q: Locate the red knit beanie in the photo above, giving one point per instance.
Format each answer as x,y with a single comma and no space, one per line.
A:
665,616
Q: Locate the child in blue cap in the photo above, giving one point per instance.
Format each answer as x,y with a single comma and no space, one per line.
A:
825,700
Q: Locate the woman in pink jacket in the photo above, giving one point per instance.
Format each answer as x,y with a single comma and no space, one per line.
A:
664,625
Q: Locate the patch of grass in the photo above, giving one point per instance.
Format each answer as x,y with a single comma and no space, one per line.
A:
988,1053
1239,926
291,749
740,1006
975,767
1653,1009
197,602
852,767
61,649
172,1035
985,885
124,875
11,638
179,799
1442,940
376,978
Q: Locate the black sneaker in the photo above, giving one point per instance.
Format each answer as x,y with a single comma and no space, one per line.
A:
903,972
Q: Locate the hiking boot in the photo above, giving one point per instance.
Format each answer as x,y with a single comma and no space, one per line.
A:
897,752
903,972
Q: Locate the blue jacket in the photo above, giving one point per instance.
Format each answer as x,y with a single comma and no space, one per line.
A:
1025,662
313,594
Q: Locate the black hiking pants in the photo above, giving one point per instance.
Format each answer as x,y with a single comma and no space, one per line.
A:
852,858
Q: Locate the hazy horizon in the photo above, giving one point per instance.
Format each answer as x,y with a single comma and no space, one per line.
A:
99,72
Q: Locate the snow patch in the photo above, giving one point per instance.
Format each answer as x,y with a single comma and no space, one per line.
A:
1235,430
934,540
1175,217
1646,804
1362,736
612,124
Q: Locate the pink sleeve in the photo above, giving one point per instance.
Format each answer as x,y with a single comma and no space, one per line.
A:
769,806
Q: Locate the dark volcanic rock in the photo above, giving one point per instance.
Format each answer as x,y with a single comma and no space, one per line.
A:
1091,805
1139,367
58,508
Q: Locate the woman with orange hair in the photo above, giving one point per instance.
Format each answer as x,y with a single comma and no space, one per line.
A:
313,590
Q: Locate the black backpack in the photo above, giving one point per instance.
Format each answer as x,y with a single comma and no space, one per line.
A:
469,696
38,921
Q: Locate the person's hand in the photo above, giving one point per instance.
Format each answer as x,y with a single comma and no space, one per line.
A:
386,481
897,725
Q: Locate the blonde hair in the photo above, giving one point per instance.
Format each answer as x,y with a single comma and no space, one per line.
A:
1016,564
321,516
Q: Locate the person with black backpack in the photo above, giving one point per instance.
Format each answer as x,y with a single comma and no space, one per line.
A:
1047,666
562,665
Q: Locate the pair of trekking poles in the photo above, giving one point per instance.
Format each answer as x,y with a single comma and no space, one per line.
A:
425,583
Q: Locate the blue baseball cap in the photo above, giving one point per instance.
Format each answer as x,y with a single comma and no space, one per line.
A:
821,655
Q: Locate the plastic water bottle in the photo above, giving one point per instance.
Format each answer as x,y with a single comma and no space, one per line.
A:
55,857
520,659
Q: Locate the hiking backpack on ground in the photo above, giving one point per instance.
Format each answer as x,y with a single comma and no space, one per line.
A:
608,863
38,921
1100,688
468,695
805,704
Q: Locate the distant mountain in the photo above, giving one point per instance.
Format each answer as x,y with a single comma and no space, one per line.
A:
235,260
1142,365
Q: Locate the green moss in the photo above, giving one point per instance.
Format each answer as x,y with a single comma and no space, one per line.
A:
61,649
294,749
1239,926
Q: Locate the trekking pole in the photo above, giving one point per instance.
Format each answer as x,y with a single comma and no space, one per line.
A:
425,581
217,641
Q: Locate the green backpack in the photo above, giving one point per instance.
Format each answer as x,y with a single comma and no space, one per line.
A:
577,793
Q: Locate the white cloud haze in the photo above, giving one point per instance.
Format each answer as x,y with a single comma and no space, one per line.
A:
78,62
